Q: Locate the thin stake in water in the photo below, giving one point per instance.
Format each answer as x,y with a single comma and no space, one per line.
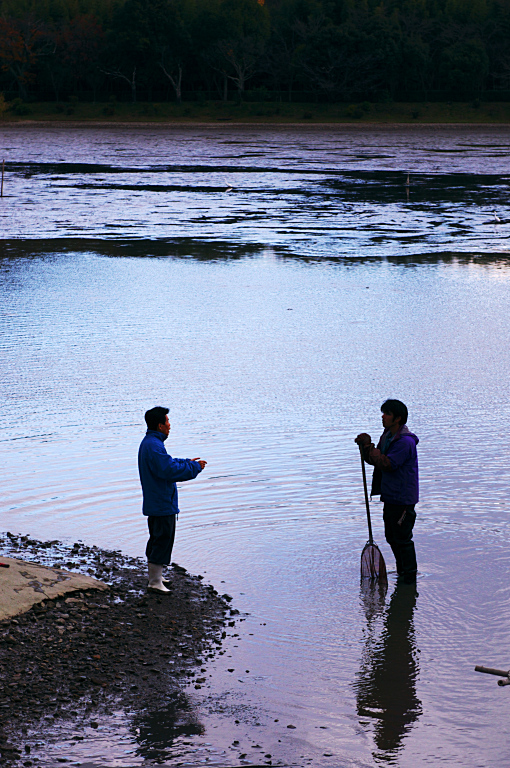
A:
3,169
372,561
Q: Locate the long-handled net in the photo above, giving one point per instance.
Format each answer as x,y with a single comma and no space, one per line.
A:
372,561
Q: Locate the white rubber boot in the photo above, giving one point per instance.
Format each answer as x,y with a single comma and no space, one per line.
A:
156,578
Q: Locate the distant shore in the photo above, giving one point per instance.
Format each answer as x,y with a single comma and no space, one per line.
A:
260,113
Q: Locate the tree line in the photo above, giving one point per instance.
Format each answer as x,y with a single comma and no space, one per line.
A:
333,50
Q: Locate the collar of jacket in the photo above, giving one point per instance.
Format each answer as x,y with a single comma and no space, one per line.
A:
400,431
157,433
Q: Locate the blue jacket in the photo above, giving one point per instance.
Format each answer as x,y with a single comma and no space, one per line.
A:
398,485
158,474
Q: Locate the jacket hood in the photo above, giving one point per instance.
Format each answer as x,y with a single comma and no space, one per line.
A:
404,431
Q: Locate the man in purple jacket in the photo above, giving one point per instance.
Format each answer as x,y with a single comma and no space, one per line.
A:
158,474
395,479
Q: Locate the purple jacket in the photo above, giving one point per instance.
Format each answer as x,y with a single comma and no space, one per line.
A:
396,473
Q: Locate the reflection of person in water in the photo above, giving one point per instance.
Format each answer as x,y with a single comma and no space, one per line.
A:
157,731
386,685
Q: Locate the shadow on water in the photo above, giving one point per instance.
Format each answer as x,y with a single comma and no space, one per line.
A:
374,186
424,188
156,731
223,250
181,248
387,703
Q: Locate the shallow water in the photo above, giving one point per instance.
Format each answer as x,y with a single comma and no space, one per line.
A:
274,332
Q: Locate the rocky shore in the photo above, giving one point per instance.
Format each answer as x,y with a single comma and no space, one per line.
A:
84,655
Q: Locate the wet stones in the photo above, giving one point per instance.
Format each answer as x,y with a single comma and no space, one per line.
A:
93,650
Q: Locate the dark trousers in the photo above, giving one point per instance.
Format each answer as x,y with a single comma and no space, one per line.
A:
161,539
399,521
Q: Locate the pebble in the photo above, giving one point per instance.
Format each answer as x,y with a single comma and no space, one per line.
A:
78,649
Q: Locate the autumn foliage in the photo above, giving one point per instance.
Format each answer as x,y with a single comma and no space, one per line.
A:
21,44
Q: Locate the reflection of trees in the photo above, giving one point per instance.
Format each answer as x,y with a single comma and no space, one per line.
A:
156,731
386,683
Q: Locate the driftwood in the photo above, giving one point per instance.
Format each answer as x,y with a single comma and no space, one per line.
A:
499,672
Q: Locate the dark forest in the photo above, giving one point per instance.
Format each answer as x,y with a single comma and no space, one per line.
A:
285,50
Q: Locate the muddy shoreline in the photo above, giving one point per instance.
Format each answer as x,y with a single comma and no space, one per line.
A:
362,125
90,653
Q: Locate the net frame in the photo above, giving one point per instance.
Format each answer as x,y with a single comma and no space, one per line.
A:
373,566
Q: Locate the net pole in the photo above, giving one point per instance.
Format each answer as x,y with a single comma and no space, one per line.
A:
369,521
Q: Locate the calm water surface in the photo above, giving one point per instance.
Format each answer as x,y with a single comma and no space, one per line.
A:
274,320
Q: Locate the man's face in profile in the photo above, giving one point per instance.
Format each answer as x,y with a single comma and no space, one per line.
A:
165,428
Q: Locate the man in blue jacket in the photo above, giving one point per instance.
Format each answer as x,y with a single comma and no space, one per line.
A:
158,474
395,479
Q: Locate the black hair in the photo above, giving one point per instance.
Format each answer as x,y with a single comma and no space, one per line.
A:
396,408
155,416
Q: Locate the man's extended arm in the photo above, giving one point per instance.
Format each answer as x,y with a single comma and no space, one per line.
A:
175,470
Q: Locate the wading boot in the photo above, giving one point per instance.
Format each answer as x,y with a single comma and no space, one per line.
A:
407,578
156,578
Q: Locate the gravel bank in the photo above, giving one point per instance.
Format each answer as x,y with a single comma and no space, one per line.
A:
88,654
